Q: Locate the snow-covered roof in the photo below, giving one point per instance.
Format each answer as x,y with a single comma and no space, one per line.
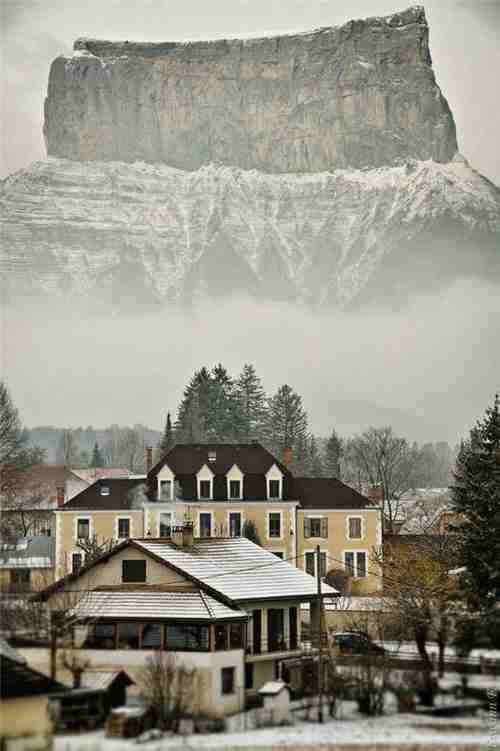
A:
102,679
238,569
28,552
272,688
195,605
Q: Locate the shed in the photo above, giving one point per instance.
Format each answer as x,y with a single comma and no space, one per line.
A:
276,696
113,682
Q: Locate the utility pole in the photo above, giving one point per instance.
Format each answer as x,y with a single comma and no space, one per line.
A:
320,641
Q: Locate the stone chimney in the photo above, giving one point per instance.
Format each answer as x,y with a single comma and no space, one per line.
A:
376,494
287,456
183,535
148,458
60,493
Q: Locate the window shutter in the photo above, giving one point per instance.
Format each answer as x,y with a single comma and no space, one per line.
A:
307,527
324,528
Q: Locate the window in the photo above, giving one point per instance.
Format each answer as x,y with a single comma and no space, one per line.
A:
355,527
221,635
205,489
316,527
165,490
235,636
293,628
311,564
100,636
227,680
275,524
322,565
165,524
187,638
275,629
151,636
20,579
310,567
248,675
76,562
212,456
355,564
123,528
104,489
133,571
274,489
83,529
128,635
235,524
235,489
205,524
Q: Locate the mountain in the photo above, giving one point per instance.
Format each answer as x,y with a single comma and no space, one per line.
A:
139,236
317,168
358,95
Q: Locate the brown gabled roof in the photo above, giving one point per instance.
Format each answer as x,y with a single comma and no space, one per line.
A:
121,495
328,493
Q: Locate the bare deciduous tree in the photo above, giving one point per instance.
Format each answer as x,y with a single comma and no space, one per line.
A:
379,457
169,688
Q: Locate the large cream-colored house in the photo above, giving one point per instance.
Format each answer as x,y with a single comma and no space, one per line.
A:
221,605
220,488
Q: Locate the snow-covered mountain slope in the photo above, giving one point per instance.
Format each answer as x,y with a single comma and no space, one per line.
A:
136,236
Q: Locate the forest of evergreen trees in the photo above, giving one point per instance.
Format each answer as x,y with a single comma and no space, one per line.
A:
217,407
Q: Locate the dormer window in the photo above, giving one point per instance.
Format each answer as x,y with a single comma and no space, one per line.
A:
205,482
234,479
104,489
234,489
205,489
165,490
212,456
274,482
165,480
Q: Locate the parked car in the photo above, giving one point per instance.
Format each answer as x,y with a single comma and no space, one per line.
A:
356,643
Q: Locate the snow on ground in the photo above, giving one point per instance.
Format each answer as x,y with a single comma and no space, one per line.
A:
349,729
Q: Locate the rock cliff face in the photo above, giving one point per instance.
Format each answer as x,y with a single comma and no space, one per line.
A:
363,94
127,237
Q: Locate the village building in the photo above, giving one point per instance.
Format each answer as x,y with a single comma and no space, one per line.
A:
222,488
222,605
26,565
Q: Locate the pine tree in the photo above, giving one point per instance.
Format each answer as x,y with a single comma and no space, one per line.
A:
97,457
167,440
314,462
287,425
334,450
476,495
252,404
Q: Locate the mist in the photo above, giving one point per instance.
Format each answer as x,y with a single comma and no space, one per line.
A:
429,371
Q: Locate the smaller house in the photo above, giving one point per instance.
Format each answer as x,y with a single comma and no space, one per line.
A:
113,682
25,719
276,697
26,565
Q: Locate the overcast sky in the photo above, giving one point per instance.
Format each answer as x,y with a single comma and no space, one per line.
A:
464,38
430,372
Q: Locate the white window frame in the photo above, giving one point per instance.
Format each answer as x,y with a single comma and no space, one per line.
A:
313,551
242,520
347,530
205,473
234,473
206,511
315,516
268,528
355,554
171,514
117,526
83,517
165,474
274,473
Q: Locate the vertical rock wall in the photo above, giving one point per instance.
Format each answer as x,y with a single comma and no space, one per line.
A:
359,95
